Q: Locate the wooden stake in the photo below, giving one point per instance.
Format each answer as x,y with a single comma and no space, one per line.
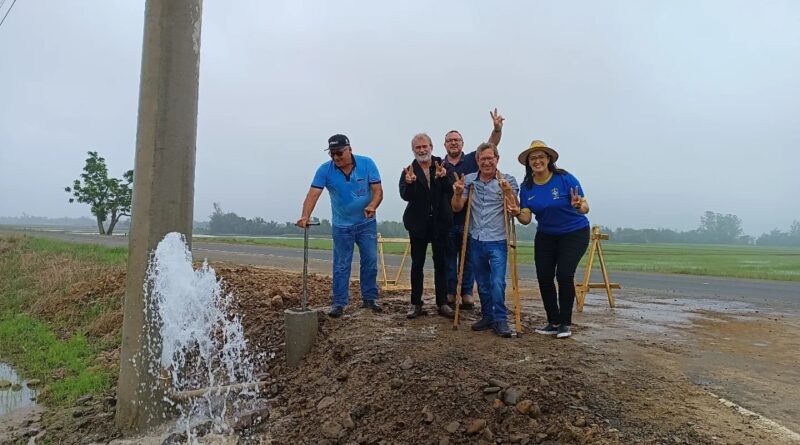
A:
464,240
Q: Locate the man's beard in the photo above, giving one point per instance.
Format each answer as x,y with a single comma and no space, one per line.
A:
423,158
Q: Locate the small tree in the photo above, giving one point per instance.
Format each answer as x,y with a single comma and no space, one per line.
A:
108,197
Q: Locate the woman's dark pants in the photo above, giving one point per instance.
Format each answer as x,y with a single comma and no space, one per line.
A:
556,258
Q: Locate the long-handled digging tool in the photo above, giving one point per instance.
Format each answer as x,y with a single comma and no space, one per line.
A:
304,303
464,240
301,323
511,247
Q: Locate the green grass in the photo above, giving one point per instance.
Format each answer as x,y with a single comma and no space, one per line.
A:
30,344
84,252
768,263
313,243
37,352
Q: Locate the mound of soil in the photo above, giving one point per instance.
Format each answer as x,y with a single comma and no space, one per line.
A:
378,378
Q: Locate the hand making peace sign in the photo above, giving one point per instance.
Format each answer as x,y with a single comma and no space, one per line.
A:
575,198
458,185
441,172
410,176
501,180
497,119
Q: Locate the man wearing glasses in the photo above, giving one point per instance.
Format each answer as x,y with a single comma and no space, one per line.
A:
492,191
463,164
354,186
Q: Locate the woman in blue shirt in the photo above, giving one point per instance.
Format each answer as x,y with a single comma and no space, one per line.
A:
555,197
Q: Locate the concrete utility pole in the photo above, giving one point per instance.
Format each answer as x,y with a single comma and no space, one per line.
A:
163,191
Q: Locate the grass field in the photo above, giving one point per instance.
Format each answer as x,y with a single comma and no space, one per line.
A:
37,336
767,263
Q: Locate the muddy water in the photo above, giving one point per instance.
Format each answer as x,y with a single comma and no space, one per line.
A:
735,350
13,398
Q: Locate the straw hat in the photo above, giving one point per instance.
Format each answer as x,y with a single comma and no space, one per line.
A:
540,146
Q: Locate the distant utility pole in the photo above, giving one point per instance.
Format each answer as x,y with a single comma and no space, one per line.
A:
163,192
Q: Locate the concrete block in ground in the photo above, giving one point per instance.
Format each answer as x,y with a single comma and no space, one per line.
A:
301,332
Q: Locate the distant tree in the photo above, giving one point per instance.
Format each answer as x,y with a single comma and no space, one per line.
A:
720,229
778,238
229,223
109,198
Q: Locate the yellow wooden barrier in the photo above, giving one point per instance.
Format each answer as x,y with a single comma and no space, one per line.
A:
582,289
393,284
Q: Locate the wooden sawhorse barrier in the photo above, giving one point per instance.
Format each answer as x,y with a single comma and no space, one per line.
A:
393,284
582,289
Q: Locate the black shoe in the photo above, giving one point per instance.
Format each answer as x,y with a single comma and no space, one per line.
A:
550,329
467,305
483,324
446,311
501,329
336,311
564,331
371,304
414,311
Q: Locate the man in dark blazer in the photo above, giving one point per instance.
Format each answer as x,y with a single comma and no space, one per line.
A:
428,217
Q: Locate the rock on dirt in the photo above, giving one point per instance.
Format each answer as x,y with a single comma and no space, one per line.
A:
332,430
476,426
325,402
452,427
512,395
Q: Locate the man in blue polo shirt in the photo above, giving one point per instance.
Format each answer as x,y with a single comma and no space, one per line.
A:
354,185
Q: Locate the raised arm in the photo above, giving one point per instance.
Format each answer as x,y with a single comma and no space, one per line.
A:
497,127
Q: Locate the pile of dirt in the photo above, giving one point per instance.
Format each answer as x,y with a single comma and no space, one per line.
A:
378,378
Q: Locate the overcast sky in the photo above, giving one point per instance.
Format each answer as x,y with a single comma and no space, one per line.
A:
662,109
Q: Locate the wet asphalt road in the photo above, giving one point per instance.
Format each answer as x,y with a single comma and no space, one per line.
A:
780,296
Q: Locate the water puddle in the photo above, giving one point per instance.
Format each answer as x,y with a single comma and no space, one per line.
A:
16,396
662,316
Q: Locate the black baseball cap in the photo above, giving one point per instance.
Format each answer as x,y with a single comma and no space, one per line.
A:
337,141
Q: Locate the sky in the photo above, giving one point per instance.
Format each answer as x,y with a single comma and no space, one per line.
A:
662,109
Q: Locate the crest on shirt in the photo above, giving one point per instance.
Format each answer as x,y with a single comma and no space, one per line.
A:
554,192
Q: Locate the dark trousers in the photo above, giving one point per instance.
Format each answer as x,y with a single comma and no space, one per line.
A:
419,250
454,243
557,257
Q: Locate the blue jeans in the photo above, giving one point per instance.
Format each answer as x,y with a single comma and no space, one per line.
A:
365,235
455,237
489,259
